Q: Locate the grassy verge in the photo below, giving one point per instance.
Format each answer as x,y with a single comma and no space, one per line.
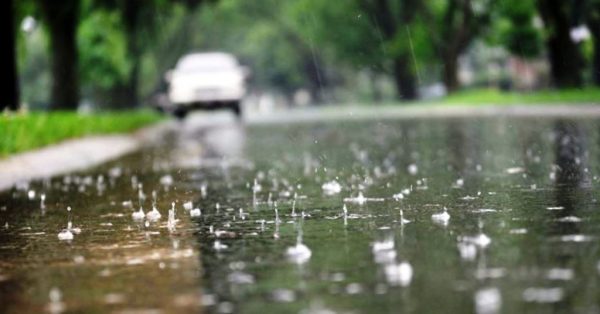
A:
496,97
22,132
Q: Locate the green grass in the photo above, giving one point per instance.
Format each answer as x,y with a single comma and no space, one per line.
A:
22,132
496,97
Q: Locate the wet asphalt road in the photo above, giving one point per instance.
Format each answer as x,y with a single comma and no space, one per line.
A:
375,214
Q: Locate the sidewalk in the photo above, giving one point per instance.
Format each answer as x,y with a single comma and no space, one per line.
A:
73,155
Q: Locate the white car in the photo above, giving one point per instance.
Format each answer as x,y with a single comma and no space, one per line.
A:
210,80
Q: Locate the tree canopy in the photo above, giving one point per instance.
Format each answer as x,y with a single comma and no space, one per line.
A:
114,53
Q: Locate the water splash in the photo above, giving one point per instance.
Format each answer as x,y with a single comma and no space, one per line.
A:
488,301
154,214
441,218
171,222
196,212
332,187
399,274
299,253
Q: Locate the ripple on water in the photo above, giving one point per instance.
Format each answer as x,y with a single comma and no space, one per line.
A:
543,295
560,274
283,295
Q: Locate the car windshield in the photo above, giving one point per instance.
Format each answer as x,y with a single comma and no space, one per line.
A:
206,63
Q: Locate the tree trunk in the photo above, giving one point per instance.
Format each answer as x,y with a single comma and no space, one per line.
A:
375,90
451,72
404,78
593,21
9,92
566,61
313,73
131,17
62,20
596,65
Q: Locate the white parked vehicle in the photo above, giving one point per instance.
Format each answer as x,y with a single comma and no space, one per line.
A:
210,80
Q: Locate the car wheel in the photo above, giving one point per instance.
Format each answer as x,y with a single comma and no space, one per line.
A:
180,113
237,109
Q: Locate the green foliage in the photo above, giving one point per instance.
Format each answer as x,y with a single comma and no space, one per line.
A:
350,36
262,35
22,132
278,39
103,50
545,97
515,27
33,66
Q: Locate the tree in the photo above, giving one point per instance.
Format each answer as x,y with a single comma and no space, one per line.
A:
104,63
391,18
62,20
268,35
365,34
593,22
457,23
140,20
9,92
516,29
566,60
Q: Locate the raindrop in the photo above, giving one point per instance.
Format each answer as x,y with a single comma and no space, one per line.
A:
331,187
460,182
299,253
569,219
543,295
239,277
283,295
488,301
398,196
575,238
354,288
42,201
441,218
56,305
412,169
166,180
196,212
515,170
560,274
203,191
218,246
65,235
171,222
154,214
399,274
467,251
402,220
293,208
141,195
138,215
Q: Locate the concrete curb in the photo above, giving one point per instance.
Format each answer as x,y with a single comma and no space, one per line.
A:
73,155
357,112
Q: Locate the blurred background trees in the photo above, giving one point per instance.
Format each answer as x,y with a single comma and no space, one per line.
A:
9,93
114,53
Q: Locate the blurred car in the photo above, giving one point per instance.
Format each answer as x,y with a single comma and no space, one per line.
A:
211,80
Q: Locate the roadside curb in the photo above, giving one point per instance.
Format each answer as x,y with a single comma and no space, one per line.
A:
75,154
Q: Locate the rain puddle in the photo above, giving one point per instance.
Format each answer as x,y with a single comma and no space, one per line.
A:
422,216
